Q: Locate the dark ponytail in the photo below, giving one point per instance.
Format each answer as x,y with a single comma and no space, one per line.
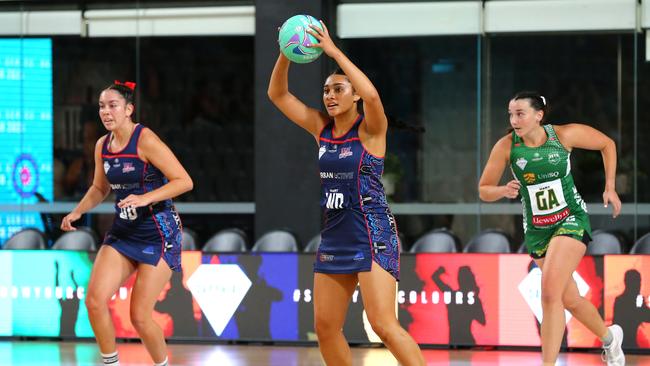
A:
393,122
537,101
126,90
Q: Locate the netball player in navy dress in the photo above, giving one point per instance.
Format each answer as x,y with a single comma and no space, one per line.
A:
359,237
146,234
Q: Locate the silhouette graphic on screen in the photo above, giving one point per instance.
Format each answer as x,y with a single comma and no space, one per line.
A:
409,279
630,309
50,228
254,313
353,326
69,307
532,265
465,305
178,304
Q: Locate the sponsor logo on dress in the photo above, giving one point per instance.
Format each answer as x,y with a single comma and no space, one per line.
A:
554,158
529,178
326,257
148,250
345,152
127,167
151,177
521,163
550,219
571,220
335,175
537,157
107,166
391,223
119,186
116,163
333,148
321,151
548,175
366,170
358,257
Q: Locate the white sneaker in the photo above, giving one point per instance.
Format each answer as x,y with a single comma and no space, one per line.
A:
613,354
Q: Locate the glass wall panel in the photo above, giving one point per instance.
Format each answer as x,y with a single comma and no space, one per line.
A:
434,86
199,101
431,86
586,78
199,106
194,92
642,133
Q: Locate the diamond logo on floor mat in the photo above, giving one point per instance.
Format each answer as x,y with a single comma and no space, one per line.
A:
219,289
531,289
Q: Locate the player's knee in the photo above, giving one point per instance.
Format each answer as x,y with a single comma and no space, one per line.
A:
571,302
551,293
325,327
380,330
95,303
139,318
383,326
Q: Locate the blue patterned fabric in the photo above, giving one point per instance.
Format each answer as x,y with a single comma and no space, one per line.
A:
358,225
143,234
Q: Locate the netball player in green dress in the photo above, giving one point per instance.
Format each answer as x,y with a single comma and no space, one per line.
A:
556,223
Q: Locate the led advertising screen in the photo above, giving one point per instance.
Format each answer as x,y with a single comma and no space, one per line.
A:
226,296
25,129
627,297
442,299
450,299
520,308
41,293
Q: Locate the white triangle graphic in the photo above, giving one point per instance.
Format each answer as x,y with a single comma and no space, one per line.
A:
531,290
218,289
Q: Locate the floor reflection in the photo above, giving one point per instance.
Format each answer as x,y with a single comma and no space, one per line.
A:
25,353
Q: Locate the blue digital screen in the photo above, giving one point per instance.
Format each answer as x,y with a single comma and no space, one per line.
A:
25,129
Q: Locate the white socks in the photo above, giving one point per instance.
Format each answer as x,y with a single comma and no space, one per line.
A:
164,363
110,359
113,360
608,338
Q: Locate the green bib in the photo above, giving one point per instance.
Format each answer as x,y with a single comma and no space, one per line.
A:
548,194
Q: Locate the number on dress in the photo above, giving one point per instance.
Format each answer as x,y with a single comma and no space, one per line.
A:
128,213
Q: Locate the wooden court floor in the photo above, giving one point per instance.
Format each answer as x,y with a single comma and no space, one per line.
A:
43,353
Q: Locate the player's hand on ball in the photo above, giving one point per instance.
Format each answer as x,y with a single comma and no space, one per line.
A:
323,36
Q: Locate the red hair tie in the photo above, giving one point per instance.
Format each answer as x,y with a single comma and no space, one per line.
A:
128,84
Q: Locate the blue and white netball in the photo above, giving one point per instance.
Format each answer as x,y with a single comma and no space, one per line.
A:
295,42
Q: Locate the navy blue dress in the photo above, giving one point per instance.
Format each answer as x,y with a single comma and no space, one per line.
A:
358,225
143,234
